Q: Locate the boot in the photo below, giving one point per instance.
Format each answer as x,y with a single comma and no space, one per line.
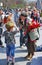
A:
30,56
12,63
27,56
7,63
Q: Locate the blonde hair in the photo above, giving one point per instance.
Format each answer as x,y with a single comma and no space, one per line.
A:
9,25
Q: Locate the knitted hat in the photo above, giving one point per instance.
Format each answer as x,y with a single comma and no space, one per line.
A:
24,14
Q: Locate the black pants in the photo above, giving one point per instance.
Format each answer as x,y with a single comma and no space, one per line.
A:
0,41
21,38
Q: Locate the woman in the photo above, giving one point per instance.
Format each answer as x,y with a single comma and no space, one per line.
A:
22,25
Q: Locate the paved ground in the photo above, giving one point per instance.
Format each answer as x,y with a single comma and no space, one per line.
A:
20,53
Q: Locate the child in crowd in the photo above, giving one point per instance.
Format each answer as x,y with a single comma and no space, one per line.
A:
10,41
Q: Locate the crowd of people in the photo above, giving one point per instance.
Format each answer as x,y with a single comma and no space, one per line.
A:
25,21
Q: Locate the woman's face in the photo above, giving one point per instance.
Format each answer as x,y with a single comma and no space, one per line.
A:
23,18
1,11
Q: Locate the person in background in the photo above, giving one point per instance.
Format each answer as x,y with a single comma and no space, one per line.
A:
1,27
35,15
38,16
16,16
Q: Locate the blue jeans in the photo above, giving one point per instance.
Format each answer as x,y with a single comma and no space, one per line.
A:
10,49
